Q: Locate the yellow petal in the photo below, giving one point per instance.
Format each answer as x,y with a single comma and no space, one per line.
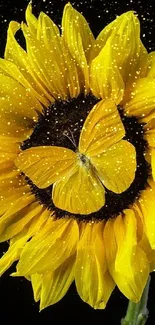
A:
153,163
54,285
7,173
129,257
18,241
11,182
147,206
49,35
15,53
130,54
8,150
150,132
116,166
105,78
102,128
48,32
151,65
50,65
12,254
80,192
74,25
133,287
49,248
143,240
10,69
31,20
130,284
93,281
18,97
115,27
11,191
36,281
13,124
79,40
17,216
18,108
46,165
142,100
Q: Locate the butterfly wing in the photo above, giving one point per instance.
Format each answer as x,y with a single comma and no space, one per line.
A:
113,159
102,128
116,167
45,165
80,192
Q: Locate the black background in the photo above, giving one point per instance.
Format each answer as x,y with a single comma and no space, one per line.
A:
16,298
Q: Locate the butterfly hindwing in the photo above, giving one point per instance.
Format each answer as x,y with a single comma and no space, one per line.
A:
79,192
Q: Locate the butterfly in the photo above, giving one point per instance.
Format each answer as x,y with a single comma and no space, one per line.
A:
80,178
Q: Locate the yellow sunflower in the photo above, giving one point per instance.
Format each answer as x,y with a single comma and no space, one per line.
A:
77,157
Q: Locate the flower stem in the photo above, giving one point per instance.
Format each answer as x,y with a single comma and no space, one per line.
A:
137,314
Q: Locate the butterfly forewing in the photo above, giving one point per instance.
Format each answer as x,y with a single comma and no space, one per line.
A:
103,127
45,165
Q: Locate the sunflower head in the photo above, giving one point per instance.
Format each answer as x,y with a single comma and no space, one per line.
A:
77,157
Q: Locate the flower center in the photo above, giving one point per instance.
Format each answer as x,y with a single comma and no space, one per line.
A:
60,125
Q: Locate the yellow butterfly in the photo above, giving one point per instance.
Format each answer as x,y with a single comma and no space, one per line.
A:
102,160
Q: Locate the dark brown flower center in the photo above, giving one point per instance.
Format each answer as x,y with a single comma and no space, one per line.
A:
60,125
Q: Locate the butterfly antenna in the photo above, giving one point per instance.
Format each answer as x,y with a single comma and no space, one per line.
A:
70,138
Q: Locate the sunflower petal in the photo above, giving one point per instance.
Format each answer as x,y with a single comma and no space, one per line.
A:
151,65
48,32
21,101
49,64
12,188
80,192
12,254
18,57
31,20
117,166
129,256
105,78
147,206
102,128
18,109
93,281
130,54
142,100
46,164
48,249
115,27
11,221
12,124
55,284
150,132
36,281
153,163
10,69
9,149
49,35
79,39
130,284
73,24
18,241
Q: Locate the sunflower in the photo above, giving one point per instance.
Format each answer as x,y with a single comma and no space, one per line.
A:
77,157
